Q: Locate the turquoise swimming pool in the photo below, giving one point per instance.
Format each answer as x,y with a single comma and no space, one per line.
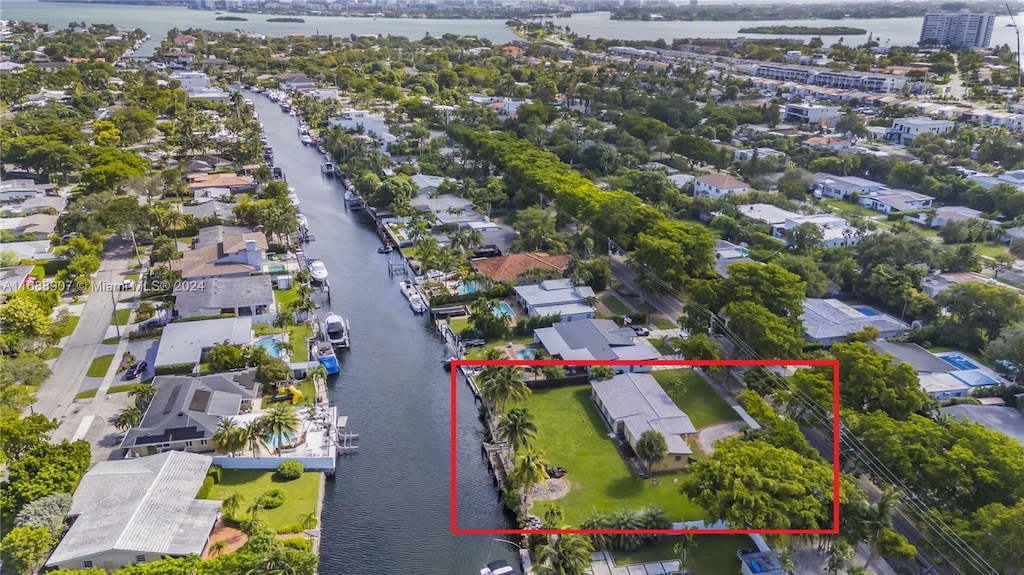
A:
526,353
274,441
464,288
504,310
269,343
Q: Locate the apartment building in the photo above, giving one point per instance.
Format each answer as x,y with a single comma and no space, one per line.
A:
959,29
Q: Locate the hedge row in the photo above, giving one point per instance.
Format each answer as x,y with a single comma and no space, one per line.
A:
497,292
176,369
204,491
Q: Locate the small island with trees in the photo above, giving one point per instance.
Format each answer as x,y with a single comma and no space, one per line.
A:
232,18
805,30
293,20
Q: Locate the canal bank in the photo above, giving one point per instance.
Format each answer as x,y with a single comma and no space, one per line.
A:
387,510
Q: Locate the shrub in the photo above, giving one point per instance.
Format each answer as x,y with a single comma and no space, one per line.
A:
204,491
272,499
175,369
216,472
300,543
528,325
290,470
290,528
145,311
146,334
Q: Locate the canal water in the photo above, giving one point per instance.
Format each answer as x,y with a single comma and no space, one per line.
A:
388,508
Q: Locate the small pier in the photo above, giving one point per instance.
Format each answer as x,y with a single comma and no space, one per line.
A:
345,441
496,461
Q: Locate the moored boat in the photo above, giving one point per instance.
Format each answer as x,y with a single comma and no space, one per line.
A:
327,169
413,295
335,330
306,140
317,270
324,354
352,199
385,249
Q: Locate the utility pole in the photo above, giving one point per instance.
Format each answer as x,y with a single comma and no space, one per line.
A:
138,256
113,300
1017,31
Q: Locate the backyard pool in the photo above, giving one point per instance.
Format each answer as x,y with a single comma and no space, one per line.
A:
272,442
958,361
504,310
464,288
526,353
276,269
865,310
268,343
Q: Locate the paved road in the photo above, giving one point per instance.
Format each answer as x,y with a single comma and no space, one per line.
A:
58,393
669,307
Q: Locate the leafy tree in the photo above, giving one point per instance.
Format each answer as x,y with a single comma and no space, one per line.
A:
1000,263
651,448
676,252
536,231
601,372
517,428
807,269
1008,348
771,335
21,436
49,512
980,308
394,191
19,375
768,285
23,322
226,356
997,533
271,370
564,555
24,548
872,381
759,486
46,468
805,238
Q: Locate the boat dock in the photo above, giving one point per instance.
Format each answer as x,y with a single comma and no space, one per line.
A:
496,460
345,441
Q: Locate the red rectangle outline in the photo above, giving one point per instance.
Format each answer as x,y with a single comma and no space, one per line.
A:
834,364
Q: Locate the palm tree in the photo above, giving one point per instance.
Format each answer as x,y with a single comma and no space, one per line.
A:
143,394
651,448
279,425
517,428
310,521
876,519
232,503
530,469
654,517
254,510
553,516
630,520
282,321
598,520
564,555
301,307
504,385
254,436
218,547
683,549
229,437
128,418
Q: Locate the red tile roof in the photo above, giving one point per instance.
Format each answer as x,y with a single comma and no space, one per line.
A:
722,181
510,267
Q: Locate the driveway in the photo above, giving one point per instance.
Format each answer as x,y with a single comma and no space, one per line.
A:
146,350
707,437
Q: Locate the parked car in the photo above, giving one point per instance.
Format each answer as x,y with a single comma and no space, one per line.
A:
137,369
152,323
641,331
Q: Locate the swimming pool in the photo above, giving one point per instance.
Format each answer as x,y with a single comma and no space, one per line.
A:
275,269
268,343
464,288
958,361
273,441
526,353
504,310
865,310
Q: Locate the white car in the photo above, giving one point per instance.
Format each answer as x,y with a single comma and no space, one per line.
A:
641,331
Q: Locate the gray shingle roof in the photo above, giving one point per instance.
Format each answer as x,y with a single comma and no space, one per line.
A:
593,339
829,319
916,356
144,506
225,292
188,408
641,404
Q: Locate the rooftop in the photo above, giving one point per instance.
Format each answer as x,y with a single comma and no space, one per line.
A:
722,181
144,506
766,213
641,404
1006,420
844,182
184,342
552,292
225,292
594,339
831,318
509,268
912,354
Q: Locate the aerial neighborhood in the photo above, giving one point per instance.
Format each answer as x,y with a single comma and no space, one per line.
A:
694,306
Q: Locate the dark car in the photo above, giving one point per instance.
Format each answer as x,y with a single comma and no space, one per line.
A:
152,323
137,369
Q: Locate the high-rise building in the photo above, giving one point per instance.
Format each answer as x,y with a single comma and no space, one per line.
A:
959,29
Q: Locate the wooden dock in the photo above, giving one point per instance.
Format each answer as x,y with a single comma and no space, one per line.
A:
496,461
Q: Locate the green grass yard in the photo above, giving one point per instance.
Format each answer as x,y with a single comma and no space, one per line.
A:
849,207
300,502
297,335
572,434
50,353
695,397
713,554
100,365
615,305
284,297
662,347
121,316
306,386
90,393
70,325
662,323
480,352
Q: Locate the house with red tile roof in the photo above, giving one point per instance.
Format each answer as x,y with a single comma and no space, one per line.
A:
514,267
718,186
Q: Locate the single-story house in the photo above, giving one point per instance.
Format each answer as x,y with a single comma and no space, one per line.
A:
251,296
188,342
184,413
449,209
293,81
138,510
223,211
205,163
592,339
943,386
717,186
896,201
934,284
204,185
827,143
24,189
556,297
12,279
632,403
827,321
760,153
948,214
917,357
427,185
235,255
842,187
35,205
31,250
514,267
38,226
835,231
1005,420
681,180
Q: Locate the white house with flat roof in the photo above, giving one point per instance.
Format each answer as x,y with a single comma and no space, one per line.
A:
827,321
835,231
556,297
810,114
904,130
842,187
890,201
592,339
187,342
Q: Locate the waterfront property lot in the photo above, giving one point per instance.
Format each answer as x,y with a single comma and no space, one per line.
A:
572,434
300,502
711,555
695,397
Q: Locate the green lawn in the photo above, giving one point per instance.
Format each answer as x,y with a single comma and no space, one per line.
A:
111,340
572,434
306,386
699,401
662,323
284,297
714,554
300,502
990,249
849,207
50,353
615,305
297,335
121,316
100,365
90,393
69,327
480,352
662,347
263,329
458,324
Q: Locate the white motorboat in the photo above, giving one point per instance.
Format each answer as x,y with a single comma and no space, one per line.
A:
352,199
293,198
499,567
327,169
335,330
303,222
306,140
317,270
413,295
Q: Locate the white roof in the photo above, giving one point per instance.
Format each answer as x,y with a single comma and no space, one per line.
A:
144,506
766,213
638,400
940,383
183,342
831,318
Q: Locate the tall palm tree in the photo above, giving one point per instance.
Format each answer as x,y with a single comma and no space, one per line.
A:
282,321
553,517
517,428
229,436
683,549
310,521
232,503
280,424
504,385
254,436
876,518
128,418
530,469
564,555
143,394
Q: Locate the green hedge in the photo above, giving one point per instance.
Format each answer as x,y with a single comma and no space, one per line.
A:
300,543
145,334
204,491
176,369
216,472
51,267
204,317
526,326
